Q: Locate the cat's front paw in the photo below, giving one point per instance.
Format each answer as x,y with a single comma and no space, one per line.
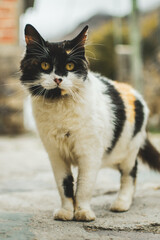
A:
84,215
63,214
120,206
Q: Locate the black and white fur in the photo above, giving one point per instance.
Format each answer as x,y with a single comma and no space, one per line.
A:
83,121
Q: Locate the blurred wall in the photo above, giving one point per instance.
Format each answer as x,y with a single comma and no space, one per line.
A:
11,94
9,18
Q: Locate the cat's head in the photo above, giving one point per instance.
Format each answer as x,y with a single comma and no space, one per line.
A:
54,70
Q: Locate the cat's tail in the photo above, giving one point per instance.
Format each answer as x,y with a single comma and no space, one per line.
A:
149,154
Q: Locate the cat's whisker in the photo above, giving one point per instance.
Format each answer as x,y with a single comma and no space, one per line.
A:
31,83
75,96
10,84
79,44
83,52
78,96
75,50
36,97
78,58
43,47
92,44
76,55
93,54
16,74
36,51
96,59
76,91
71,93
39,92
40,51
36,55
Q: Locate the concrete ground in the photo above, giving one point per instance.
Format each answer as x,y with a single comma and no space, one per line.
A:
28,197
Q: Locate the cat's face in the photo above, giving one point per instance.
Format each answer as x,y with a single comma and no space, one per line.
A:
54,70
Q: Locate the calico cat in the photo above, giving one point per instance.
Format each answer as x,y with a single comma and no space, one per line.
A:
85,120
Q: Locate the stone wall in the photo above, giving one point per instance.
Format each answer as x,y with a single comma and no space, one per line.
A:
11,101
9,17
11,93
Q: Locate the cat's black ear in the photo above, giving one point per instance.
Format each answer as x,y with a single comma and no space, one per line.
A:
32,36
82,37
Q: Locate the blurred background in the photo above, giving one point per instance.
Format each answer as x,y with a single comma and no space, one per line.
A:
123,44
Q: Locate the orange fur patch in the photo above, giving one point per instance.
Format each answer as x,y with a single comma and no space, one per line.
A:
63,92
28,39
128,98
68,51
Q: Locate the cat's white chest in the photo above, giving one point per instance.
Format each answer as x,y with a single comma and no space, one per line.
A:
58,127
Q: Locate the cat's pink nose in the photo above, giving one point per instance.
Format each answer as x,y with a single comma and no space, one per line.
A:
58,80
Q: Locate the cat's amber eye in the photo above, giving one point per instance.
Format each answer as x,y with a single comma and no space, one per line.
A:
70,66
45,66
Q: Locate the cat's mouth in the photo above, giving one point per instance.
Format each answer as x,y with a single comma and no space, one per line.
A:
62,91
58,82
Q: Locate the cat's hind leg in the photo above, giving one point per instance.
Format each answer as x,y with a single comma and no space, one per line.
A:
128,170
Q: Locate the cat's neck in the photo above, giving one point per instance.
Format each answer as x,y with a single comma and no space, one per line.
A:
65,101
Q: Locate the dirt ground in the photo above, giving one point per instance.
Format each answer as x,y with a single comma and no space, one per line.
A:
28,197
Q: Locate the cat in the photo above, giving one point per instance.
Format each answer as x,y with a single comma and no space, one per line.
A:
85,120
